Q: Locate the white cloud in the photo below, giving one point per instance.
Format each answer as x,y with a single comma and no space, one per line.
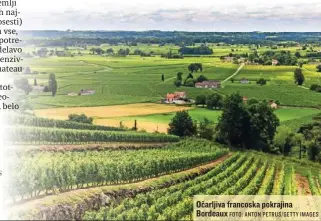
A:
201,15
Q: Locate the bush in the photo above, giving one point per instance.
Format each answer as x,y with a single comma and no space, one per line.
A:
261,81
315,87
82,118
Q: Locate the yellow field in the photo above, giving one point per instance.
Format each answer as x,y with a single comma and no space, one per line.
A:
141,125
110,111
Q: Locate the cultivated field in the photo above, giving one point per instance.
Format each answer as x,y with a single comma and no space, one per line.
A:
154,117
110,111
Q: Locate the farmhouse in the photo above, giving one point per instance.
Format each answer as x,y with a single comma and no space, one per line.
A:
72,94
245,99
275,62
175,97
273,104
86,92
208,84
244,81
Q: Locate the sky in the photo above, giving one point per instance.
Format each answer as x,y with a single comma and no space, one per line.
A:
169,15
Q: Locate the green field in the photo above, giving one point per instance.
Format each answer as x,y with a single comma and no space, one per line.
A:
135,79
198,114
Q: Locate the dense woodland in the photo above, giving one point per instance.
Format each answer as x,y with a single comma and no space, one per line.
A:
78,38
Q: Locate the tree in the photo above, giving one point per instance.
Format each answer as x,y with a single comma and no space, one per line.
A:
35,82
135,126
191,68
190,82
52,84
234,123
82,118
263,126
182,125
163,77
179,76
298,76
206,129
319,68
214,101
297,54
195,67
281,141
251,126
200,99
23,84
178,83
261,81
201,78
110,51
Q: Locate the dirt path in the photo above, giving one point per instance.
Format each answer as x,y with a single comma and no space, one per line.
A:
235,73
303,185
81,195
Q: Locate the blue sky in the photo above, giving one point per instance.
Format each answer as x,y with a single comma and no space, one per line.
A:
188,15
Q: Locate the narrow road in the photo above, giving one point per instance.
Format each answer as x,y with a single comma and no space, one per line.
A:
235,73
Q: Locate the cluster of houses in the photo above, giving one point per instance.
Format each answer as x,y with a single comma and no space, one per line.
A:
82,92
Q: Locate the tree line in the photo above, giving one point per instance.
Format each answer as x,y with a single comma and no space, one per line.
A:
249,125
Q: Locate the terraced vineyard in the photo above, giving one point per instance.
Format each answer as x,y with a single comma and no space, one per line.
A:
241,174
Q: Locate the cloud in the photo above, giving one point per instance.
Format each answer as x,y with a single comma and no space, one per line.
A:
201,18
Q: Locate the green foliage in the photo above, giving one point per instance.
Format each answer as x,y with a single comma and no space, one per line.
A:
315,87
233,125
46,171
319,68
261,81
182,125
313,185
203,49
52,84
298,76
283,58
41,135
284,140
80,118
19,119
200,99
252,126
206,129
195,67
214,101
201,78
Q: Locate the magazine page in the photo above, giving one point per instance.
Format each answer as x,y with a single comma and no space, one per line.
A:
160,110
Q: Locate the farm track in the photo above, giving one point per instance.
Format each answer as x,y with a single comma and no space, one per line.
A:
303,185
25,206
235,73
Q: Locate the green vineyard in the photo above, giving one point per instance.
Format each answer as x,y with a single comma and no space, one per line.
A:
46,135
241,174
46,171
18,119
